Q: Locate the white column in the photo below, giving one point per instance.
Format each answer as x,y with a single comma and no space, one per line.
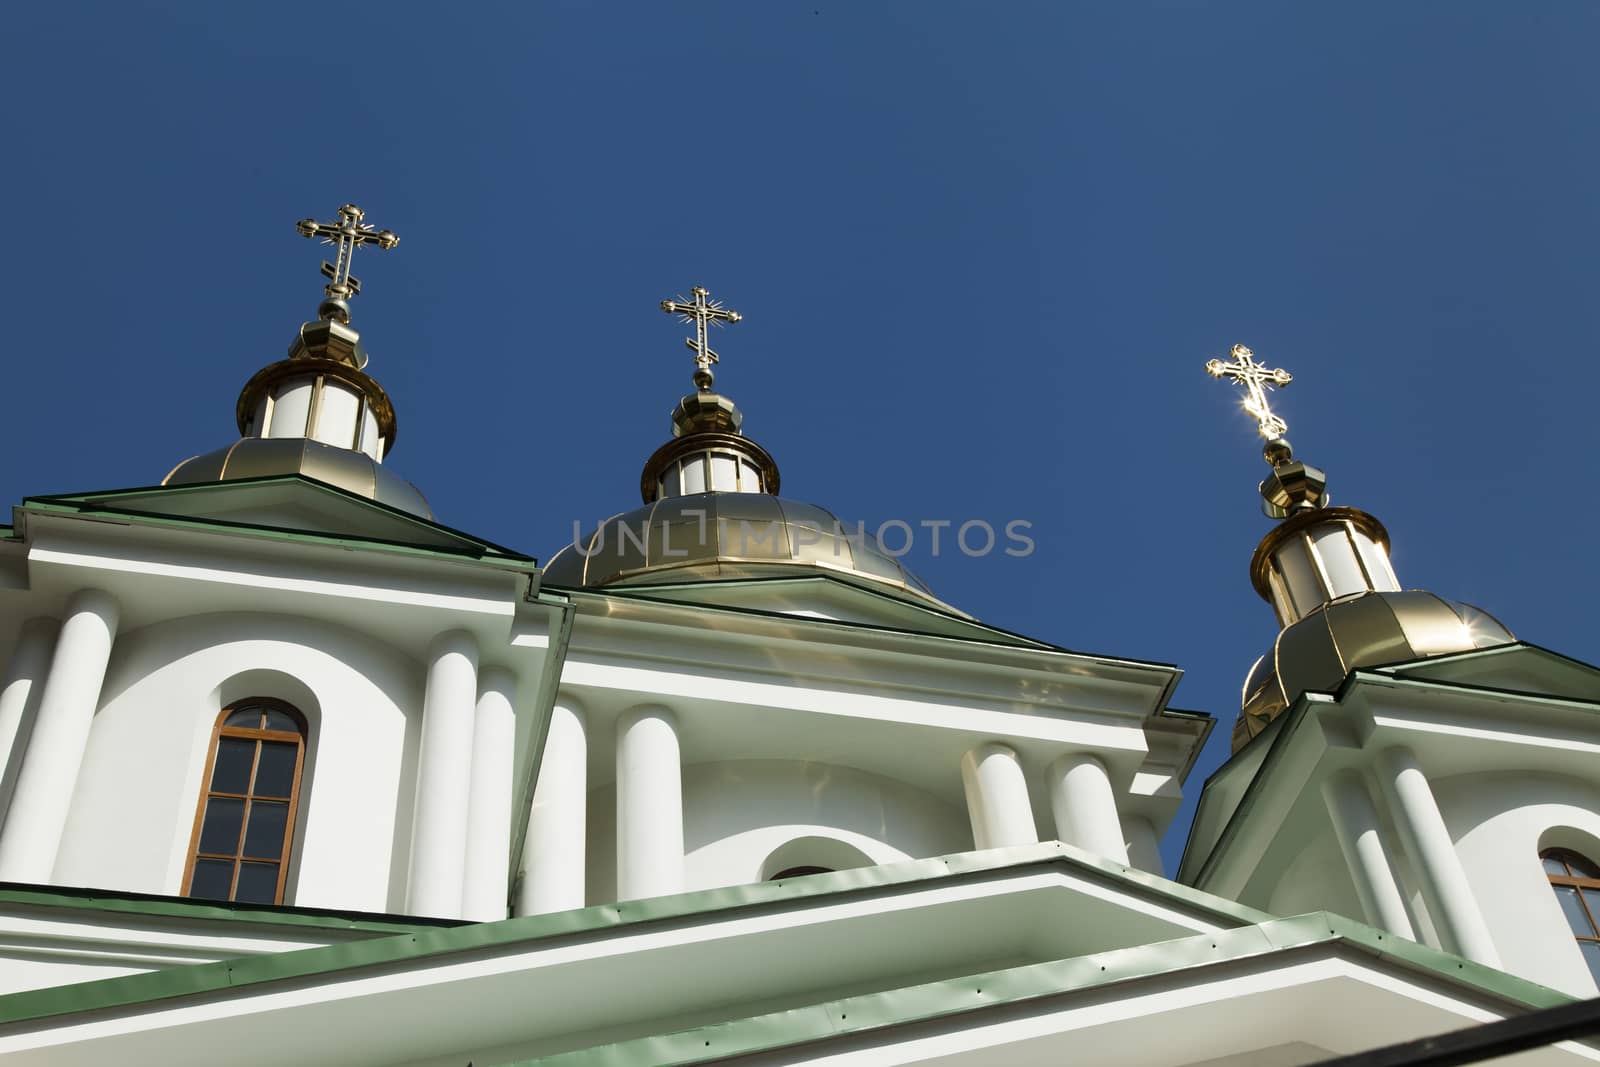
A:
1085,807
1355,823
1144,844
444,768
997,798
554,854
1444,885
19,698
494,741
38,811
649,805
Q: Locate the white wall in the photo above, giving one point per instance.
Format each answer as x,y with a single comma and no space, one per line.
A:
1316,880
133,811
738,813
1499,823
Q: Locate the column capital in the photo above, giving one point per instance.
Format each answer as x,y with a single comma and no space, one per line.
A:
1073,759
573,706
96,601
460,642
640,712
502,680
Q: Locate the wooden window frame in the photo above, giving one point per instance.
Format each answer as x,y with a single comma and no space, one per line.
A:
1576,882
218,732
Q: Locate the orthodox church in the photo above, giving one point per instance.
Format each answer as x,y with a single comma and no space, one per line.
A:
293,772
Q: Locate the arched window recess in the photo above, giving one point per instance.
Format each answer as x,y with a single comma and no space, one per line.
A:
244,822
1576,881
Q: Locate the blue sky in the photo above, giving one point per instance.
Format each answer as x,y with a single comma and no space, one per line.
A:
982,250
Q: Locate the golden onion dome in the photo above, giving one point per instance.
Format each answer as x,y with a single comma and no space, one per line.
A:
1368,629
730,535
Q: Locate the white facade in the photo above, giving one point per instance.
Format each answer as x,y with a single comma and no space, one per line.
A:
785,814
1420,800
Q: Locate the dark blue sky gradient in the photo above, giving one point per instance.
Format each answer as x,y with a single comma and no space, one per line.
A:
982,250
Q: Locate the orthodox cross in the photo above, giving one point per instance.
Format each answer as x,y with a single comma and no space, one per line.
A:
703,312
348,233
1256,379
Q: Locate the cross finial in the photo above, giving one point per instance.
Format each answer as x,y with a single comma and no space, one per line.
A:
1256,379
348,233
703,312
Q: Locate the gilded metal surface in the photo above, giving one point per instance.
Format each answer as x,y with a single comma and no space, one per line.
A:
1366,630
711,536
703,312
1256,380
706,411
263,381
1292,486
347,234
1261,559
343,468
331,340
706,441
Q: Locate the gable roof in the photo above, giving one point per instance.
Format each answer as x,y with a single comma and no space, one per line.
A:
825,928
287,506
424,945
849,1016
1518,672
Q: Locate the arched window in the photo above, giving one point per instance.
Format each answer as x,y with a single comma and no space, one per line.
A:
245,820
1576,881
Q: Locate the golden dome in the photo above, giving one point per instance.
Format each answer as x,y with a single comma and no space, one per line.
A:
1366,630
721,536
344,468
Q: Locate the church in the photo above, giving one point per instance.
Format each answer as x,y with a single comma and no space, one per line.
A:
293,771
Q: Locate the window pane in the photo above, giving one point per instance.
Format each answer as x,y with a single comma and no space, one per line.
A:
265,836
275,776
211,879
1591,956
1574,911
281,720
250,717
220,830
258,883
1553,864
1580,866
232,771
1591,897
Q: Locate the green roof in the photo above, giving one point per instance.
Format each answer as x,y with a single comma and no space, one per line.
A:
164,506
422,944
1017,985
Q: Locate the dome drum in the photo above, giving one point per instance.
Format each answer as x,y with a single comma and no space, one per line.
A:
324,399
708,461
1321,555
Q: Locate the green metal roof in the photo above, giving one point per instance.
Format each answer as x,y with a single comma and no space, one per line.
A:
432,539
422,944
1017,985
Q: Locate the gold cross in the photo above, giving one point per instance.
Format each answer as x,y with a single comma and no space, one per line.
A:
703,312
1256,379
348,233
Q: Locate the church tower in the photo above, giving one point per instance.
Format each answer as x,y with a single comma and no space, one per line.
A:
273,679
318,413
1397,756
755,688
